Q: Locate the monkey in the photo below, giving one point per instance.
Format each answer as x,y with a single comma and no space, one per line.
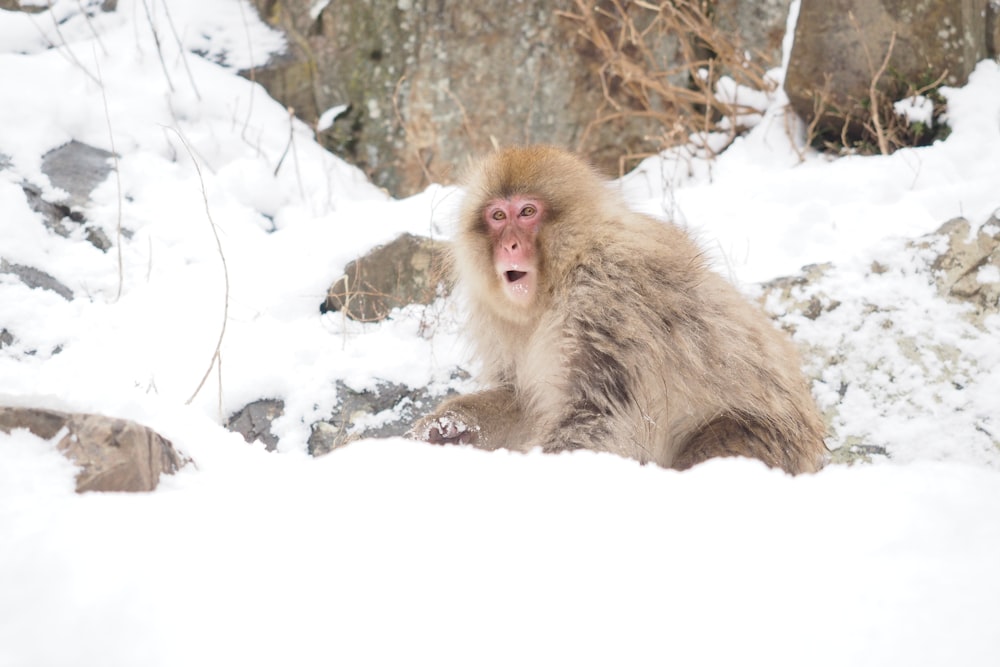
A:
600,328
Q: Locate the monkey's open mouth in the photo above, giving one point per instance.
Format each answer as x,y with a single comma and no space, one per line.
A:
514,276
518,285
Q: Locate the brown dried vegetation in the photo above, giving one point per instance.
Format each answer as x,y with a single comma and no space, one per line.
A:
662,61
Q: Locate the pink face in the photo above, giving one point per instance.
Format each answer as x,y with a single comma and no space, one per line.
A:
513,225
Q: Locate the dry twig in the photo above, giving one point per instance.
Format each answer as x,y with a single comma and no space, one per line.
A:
253,70
874,95
159,48
90,24
63,48
118,179
180,48
217,354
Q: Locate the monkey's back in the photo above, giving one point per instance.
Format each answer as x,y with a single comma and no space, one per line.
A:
668,347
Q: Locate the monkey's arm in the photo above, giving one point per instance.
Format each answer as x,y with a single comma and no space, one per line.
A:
488,419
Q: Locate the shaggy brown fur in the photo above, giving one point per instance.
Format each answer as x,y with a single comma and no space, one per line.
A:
631,344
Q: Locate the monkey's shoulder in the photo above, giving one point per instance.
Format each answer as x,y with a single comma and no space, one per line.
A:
637,249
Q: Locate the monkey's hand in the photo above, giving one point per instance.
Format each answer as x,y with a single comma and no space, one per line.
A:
446,428
486,419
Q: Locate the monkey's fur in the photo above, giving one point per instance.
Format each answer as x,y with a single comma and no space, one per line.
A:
631,344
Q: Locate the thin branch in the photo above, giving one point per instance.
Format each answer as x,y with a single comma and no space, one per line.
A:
159,49
180,48
90,24
218,368
291,138
295,154
118,179
883,143
63,47
217,355
873,92
253,68
930,86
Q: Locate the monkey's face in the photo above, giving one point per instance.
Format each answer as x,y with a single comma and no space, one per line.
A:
512,224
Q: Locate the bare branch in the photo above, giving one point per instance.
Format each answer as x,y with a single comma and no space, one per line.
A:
118,179
159,48
180,47
217,354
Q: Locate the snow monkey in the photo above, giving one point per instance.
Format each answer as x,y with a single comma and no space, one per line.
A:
604,329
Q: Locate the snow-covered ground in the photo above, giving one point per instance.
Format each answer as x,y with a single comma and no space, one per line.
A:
393,552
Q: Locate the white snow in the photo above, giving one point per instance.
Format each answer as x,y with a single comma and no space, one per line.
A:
916,109
391,552
326,118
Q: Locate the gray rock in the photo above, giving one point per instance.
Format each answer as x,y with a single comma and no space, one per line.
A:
62,220
56,217
401,406
35,278
398,404
77,168
787,290
839,47
253,421
113,454
291,81
958,269
408,270
759,23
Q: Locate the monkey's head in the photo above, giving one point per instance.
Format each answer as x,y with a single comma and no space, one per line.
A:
523,210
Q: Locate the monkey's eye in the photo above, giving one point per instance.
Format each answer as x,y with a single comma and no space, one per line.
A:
498,215
528,211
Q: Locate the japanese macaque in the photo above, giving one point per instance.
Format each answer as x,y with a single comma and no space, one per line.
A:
600,328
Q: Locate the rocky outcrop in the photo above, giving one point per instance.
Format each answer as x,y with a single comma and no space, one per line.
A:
423,86
113,454
408,270
881,350
840,47
968,267
390,409
75,168
427,86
